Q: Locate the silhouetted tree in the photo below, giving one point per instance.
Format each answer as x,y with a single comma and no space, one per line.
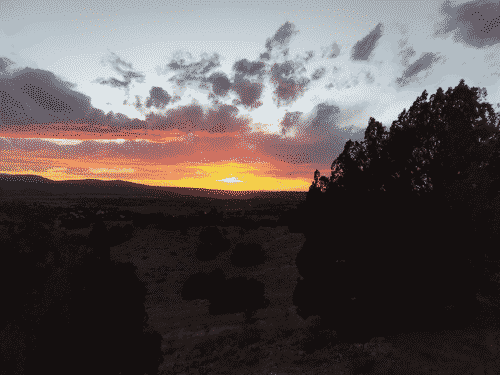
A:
450,133
348,168
395,204
374,143
248,255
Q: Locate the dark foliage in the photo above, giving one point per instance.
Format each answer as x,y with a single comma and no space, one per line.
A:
143,220
171,223
101,239
248,255
238,294
71,311
201,285
98,328
226,296
212,243
397,242
118,235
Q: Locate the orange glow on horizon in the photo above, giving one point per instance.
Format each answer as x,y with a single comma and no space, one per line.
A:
214,168
255,183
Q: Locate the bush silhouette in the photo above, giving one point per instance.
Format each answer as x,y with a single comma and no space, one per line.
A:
20,271
212,243
226,296
118,235
80,315
238,295
143,220
99,327
201,285
363,284
247,255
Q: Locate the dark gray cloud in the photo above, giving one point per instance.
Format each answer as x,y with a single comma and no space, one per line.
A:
290,119
265,56
318,73
34,96
425,62
289,84
282,37
128,75
326,115
158,98
198,71
220,83
221,118
34,100
195,71
249,68
249,92
318,137
363,48
477,23
179,60
331,52
248,82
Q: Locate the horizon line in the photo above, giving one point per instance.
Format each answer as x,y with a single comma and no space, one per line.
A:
152,186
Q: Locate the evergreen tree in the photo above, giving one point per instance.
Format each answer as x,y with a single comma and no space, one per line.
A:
437,167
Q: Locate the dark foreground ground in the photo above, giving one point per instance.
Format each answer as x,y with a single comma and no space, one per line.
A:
277,340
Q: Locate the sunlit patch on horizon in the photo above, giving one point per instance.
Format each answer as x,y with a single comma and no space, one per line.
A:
230,180
119,141
63,142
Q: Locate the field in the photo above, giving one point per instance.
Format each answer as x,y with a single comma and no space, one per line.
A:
274,344
195,342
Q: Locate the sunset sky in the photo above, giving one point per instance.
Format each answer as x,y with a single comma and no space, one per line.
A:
226,95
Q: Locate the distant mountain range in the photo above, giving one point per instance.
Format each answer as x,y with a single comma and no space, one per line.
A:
36,185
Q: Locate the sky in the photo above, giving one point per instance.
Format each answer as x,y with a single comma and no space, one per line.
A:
228,95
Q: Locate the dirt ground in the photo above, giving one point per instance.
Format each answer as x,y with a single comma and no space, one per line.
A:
197,343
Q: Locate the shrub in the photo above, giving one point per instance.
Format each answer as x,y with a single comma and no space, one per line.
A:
212,243
248,255
238,295
201,285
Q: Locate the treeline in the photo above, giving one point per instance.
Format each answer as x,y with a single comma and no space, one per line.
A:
398,238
